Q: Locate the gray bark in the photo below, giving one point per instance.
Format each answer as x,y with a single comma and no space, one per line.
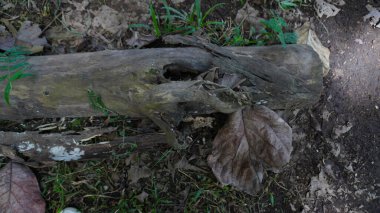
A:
132,82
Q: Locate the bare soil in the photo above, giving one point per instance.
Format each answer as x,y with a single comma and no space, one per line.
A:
349,162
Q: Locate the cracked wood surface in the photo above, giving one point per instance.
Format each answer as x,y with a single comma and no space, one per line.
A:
72,147
134,82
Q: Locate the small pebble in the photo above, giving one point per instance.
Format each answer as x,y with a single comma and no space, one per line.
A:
359,41
70,210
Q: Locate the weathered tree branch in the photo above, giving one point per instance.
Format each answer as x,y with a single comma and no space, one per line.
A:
65,147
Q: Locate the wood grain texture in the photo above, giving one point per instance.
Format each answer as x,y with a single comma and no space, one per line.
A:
133,82
64,147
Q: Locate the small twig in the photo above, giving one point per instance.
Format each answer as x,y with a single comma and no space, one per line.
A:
47,26
323,25
10,27
5,13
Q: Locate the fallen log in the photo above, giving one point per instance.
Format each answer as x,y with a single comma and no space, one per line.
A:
164,84
164,80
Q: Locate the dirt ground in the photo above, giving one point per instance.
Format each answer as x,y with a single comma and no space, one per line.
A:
345,168
335,165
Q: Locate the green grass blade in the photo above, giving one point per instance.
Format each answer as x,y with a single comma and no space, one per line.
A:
17,66
168,19
190,18
198,13
182,15
7,92
97,103
286,4
131,26
271,199
19,75
291,38
155,21
13,59
24,75
15,76
175,16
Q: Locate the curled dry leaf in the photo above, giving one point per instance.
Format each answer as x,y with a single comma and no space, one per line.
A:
253,139
19,191
324,8
307,36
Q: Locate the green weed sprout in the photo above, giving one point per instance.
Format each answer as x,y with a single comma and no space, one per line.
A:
180,21
176,21
273,30
13,63
97,103
289,4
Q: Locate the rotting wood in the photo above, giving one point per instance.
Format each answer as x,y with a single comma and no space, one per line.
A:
66,147
133,82
164,84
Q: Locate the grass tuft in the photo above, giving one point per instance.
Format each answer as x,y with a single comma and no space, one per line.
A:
220,32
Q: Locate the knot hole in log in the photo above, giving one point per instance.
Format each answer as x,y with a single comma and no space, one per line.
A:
180,72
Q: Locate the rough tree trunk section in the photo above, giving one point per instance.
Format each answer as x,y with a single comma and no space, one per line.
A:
163,80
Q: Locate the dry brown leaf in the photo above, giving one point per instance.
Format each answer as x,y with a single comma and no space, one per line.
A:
142,196
307,36
108,19
184,164
19,191
249,15
253,138
319,187
135,173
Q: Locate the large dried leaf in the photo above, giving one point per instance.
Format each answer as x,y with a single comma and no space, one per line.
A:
248,14
19,191
108,19
253,139
307,36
